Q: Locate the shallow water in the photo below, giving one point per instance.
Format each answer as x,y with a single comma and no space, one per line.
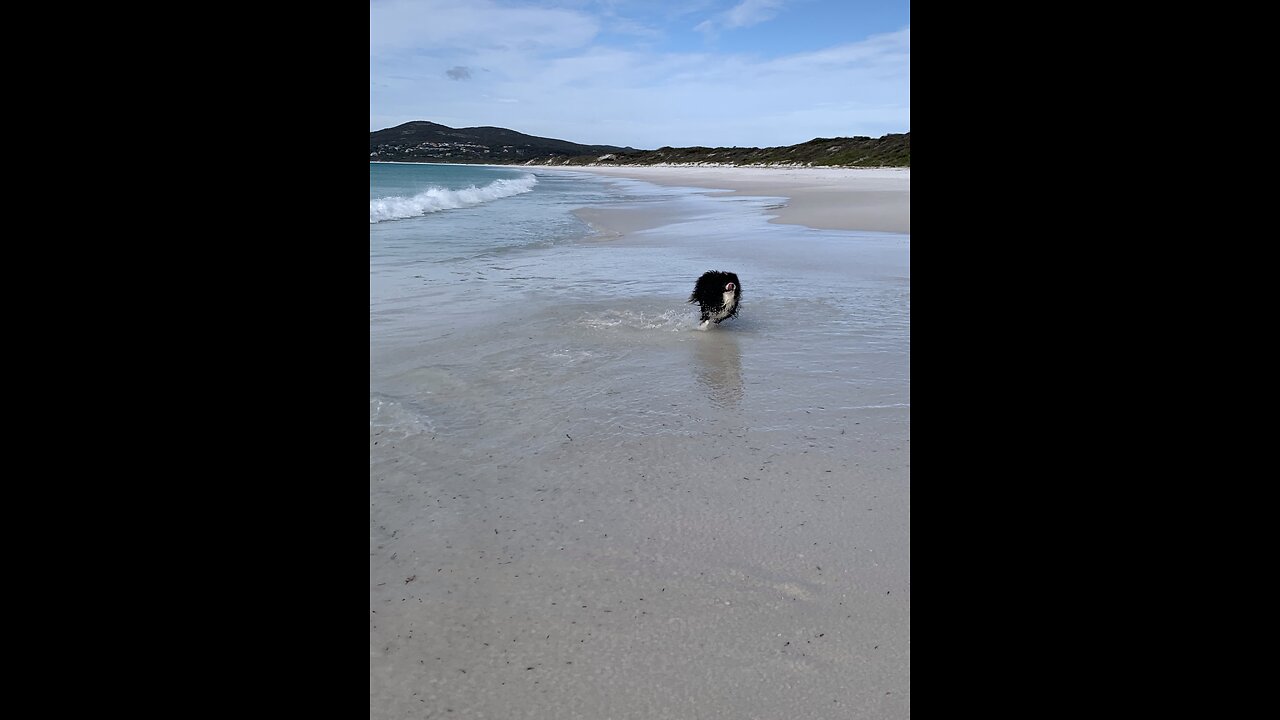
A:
579,331
606,512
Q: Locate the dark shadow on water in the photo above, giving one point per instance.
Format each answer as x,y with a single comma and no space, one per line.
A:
718,367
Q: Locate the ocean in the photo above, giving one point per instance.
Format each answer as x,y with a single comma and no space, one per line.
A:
566,474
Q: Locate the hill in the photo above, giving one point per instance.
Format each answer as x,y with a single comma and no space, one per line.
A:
892,150
422,141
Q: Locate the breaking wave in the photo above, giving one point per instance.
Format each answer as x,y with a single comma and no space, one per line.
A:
437,199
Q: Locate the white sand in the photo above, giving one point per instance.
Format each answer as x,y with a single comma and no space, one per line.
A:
876,199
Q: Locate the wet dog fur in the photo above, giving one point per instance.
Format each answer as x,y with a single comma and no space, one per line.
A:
719,295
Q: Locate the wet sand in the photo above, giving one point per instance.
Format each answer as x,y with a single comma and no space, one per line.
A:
640,520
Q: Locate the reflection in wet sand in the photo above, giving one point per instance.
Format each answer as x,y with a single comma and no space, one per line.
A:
718,367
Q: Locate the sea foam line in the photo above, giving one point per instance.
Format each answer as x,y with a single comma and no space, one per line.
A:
437,199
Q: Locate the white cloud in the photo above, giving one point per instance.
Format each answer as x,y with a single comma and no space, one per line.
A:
887,50
400,25
744,14
545,72
619,97
752,12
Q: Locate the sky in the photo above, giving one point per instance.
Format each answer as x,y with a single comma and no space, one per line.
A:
645,73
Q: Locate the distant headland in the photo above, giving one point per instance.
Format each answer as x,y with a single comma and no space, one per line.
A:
422,141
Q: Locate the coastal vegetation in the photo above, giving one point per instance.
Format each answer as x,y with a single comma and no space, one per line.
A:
422,141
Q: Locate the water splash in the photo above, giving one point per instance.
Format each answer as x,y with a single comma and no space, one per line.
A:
670,321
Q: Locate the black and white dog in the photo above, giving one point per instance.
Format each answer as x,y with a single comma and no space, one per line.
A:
718,294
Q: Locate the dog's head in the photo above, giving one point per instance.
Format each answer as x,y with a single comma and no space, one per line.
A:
715,282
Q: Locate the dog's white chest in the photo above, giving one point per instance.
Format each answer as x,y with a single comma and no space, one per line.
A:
725,308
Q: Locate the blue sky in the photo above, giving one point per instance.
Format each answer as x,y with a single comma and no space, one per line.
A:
751,73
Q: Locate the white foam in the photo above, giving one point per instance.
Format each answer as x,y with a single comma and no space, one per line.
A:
671,320
392,415
437,199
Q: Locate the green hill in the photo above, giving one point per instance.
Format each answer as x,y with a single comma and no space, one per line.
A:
889,151
422,141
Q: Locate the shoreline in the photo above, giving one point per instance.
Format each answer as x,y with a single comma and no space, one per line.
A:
858,199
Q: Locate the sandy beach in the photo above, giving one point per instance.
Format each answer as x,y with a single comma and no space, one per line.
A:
583,507
877,199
